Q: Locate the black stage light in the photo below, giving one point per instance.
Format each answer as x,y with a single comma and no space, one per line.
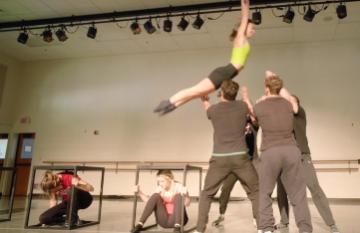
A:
61,35
289,16
167,27
183,24
341,11
310,14
135,28
92,31
197,24
23,37
256,17
149,27
47,35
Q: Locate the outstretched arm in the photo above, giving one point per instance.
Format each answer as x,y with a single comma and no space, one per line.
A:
246,98
245,13
286,94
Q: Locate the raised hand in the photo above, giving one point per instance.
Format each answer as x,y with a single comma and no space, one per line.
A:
244,93
269,74
247,2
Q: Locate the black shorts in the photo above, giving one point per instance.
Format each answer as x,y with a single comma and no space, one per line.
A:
222,73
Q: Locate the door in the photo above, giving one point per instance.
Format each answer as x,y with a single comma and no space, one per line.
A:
24,153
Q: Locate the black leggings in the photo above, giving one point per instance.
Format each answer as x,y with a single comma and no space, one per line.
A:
155,203
55,214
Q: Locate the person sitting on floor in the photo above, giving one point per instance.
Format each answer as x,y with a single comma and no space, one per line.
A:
165,202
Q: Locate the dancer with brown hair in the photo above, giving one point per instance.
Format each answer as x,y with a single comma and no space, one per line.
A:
241,50
280,157
60,184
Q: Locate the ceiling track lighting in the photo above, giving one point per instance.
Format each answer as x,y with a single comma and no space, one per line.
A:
310,14
92,31
149,27
256,17
167,25
341,11
135,27
198,23
61,34
183,24
289,16
23,37
47,35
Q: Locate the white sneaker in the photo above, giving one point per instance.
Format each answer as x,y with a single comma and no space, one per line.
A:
254,222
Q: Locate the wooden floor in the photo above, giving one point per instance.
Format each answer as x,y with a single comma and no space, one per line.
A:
117,214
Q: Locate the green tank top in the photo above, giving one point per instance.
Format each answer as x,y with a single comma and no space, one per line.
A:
240,54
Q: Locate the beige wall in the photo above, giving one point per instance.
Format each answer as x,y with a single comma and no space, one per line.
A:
68,99
7,110
9,93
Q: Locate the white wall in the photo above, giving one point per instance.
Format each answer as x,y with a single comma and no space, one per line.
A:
68,99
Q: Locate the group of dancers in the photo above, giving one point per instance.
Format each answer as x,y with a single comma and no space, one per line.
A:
285,155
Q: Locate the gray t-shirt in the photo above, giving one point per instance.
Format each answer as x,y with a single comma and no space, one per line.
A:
300,131
275,116
229,120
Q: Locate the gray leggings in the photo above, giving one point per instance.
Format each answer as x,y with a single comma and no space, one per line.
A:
156,204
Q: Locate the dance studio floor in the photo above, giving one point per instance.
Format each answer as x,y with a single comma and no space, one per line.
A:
117,214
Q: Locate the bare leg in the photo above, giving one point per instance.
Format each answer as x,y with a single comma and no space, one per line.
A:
204,87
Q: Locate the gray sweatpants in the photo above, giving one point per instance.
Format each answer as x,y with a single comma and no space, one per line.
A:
228,185
219,168
283,162
318,196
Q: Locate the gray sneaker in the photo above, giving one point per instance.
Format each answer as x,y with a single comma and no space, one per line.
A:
217,222
334,229
281,226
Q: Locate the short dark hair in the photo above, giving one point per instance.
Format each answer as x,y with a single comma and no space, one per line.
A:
229,89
